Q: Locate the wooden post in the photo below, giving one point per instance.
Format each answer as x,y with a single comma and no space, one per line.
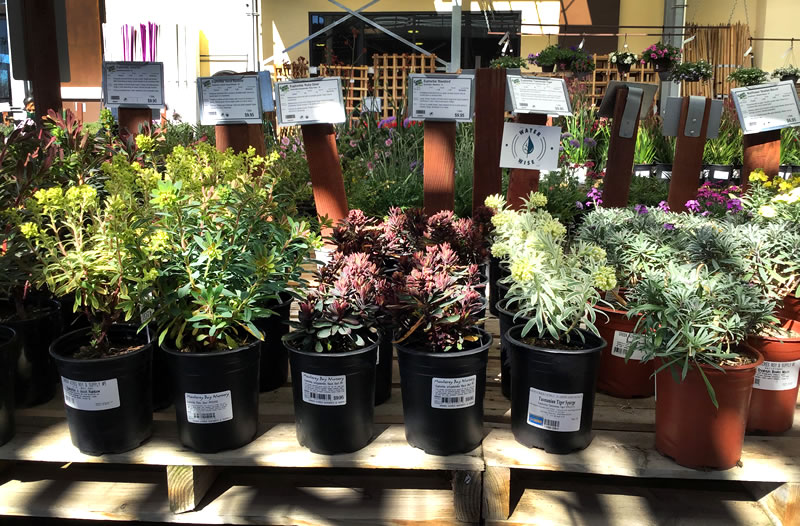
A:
41,55
522,182
490,97
496,493
467,495
761,150
326,171
439,165
619,168
239,137
131,118
688,160
187,485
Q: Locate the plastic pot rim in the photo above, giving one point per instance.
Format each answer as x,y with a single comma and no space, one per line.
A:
587,350
708,369
68,359
52,304
169,349
9,338
777,339
485,342
291,347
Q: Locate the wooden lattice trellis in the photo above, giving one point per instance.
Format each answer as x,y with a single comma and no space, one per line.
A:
391,78
355,83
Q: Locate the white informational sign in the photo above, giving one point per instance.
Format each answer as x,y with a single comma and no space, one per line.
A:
441,97
324,390
91,396
555,411
209,408
767,106
530,147
229,99
453,393
310,101
133,84
777,376
371,105
539,95
622,342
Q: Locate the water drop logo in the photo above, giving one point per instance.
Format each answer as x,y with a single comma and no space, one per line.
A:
528,146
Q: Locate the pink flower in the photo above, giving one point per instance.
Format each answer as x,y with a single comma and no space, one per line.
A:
388,142
653,55
370,166
285,141
294,147
353,143
377,156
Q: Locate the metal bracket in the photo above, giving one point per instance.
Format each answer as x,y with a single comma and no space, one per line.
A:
631,113
694,116
714,119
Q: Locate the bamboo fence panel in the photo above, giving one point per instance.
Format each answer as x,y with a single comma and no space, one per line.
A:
724,48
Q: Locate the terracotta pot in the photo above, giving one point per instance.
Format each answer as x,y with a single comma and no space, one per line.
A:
790,309
689,429
775,390
629,379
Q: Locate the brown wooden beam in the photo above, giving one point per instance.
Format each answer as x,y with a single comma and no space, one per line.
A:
439,165
239,137
326,171
41,54
619,167
688,161
490,97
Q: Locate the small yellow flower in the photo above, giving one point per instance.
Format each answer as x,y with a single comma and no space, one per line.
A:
767,211
145,143
30,230
758,175
495,201
604,278
536,200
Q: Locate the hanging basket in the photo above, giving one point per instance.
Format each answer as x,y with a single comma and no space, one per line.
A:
623,68
548,68
663,68
793,78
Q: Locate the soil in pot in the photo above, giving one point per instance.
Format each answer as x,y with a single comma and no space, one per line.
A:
552,390
383,368
334,398
35,377
9,349
108,396
689,429
216,396
274,355
443,397
617,377
774,398
506,320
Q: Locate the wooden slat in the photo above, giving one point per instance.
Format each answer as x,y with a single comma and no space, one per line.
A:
467,493
496,492
632,454
187,485
780,501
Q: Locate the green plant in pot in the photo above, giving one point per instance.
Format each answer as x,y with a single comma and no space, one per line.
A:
226,244
748,76
787,73
546,58
692,71
582,64
663,57
509,62
102,252
555,354
442,352
694,322
333,354
623,60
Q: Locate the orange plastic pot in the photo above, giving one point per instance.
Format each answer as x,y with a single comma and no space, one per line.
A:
790,309
630,379
775,388
689,429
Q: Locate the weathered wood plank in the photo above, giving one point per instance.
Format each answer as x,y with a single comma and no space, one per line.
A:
496,493
780,501
187,485
467,493
632,454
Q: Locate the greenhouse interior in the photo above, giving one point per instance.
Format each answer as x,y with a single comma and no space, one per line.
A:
382,262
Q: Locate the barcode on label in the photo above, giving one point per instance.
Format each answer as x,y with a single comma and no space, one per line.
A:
205,416
212,112
456,399
114,97
322,396
522,104
540,421
758,381
419,112
292,116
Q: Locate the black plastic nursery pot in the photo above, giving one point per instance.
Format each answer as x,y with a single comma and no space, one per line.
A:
552,392
443,397
9,348
383,368
494,275
216,396
334,398
108,401
506,318
274,355
35,378
718,172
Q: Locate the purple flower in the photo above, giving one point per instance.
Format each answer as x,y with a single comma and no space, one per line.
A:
735,205
579,205
640,209
386,122
663,205
285,141
594,194
574,143
566,135
692,205
706,213
412,166
588,141
387,142
669,226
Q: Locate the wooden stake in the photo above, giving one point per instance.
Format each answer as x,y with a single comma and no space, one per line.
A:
761,150
619,168
131,118
522,182
688,161
439,165
187,485
240,137
490,97
496,493
467,495
326,171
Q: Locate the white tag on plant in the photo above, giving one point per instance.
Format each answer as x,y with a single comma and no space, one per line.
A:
555,411
777,376
453,393
91,396
324,390
209,408
622,342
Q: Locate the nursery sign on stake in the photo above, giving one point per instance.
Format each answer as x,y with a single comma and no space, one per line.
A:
530,147
133,84
767,106
310,101
441,97
538,95
229,99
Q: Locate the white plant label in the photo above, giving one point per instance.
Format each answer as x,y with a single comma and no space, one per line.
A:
440,97
324,390
539,95
777,376
622,342
530,146
767,106
314,101
555,411
209,408
453,393
91,396
229,99
137,84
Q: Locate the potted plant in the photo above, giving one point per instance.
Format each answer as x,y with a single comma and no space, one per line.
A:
442,353
663,57
787,73
565,57
546,58
694,323
508,62
554,360
333,354
9,348
225,244
623,60
582,65
692,71
748,76
101,252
